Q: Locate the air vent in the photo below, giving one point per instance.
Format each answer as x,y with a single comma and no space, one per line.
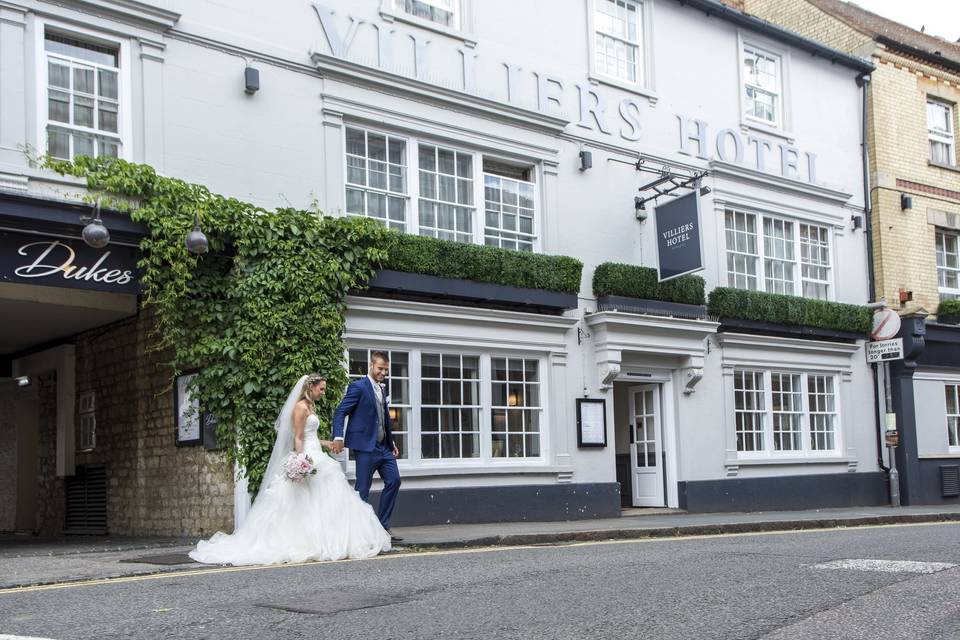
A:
86,494
950,480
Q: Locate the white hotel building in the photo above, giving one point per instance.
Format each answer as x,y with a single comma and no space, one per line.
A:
475,121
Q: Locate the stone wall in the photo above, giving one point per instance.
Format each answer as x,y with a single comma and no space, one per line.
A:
154,487
50,488
8,458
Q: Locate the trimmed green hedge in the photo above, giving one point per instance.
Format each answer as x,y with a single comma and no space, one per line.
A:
789,310
613,279
949,308
429,256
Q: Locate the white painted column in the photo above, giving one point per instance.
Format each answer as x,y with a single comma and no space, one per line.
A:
61,360
13,87
332,198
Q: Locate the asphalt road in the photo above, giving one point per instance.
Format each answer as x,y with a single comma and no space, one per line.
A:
788,585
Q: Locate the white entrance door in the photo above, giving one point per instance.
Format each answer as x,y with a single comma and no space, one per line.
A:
646,459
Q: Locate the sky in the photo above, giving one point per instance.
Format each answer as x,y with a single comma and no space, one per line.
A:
940,17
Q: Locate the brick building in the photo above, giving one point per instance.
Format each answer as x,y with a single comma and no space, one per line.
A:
914,182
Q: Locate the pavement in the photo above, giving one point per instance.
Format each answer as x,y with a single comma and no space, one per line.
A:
28,560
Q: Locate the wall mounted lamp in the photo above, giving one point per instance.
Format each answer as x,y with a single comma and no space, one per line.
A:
906,202
196,242
251,80
857,222
95,234
586,160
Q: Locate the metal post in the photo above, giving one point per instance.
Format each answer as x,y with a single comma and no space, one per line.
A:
891,424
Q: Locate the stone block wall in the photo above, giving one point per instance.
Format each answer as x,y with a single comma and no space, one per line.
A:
50,488
154,487
8,457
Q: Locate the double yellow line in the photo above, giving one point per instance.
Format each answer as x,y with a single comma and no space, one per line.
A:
422,554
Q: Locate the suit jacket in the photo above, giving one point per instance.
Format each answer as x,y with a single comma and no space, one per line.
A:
360,404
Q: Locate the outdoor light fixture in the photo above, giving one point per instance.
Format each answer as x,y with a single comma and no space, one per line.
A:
95,234
251,80
857,221
639,208
704,190
23,381
195,241
586,160
906,202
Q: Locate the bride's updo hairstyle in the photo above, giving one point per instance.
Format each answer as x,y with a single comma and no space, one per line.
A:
312,380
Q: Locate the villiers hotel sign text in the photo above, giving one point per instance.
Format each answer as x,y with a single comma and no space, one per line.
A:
695,136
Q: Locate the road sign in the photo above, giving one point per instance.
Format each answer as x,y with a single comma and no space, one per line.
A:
885,350
886,324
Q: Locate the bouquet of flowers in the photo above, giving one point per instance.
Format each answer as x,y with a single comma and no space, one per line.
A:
299,466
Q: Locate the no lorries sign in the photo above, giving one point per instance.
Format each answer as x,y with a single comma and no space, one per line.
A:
885,350
886,324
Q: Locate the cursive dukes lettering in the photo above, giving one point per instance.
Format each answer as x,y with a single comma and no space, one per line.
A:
47,263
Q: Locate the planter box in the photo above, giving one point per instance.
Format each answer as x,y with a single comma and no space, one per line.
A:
791,331
417,286
651,307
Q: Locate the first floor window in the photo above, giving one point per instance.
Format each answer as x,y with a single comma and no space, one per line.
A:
948,264
953,414
446,193
775,255
447,406
83,97
940,132
377,177
509,212
781,412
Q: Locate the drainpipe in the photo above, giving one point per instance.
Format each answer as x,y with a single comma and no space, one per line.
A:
864,83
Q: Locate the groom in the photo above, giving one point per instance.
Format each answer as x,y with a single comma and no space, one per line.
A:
369,436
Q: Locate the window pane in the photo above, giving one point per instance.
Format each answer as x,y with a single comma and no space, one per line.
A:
108,84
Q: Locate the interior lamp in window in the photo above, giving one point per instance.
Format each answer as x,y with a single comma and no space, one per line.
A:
513,399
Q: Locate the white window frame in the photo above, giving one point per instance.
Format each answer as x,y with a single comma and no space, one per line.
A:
388,193
946,137
761,257
645,83
769,451
390,11
393,404
782,124
533,235
124,88
953,431
478,233
414,456
941,236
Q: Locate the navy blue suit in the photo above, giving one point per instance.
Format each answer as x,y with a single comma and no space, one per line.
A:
360,436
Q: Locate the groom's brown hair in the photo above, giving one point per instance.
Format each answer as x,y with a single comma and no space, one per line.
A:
379,355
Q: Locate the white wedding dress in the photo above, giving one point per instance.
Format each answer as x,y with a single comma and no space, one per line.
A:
321,518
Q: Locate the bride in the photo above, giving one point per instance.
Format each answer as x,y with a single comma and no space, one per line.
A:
321,518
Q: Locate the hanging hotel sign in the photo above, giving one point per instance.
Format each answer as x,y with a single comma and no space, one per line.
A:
66,262
679,250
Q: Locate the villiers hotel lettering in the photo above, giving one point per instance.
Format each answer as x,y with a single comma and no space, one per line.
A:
677,235
696,139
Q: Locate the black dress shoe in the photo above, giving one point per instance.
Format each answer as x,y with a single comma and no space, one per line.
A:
394,538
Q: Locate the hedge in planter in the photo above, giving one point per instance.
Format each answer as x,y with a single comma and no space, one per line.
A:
788,310
613,279
949,311
430,256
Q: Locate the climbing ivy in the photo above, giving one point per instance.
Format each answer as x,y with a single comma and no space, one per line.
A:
263,307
